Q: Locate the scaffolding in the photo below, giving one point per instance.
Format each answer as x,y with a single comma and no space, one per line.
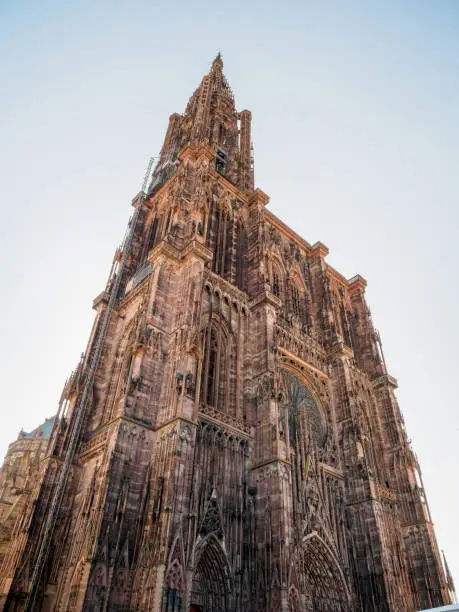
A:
82,404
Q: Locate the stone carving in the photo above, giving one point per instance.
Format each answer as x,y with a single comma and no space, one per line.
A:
190,386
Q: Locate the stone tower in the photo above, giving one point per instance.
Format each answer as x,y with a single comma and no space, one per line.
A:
18,476
240,446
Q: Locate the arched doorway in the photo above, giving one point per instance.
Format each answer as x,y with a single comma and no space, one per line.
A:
211,586
316,580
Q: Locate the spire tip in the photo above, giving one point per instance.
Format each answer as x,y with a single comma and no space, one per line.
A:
217,64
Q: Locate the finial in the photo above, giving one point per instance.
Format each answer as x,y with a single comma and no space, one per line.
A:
217,64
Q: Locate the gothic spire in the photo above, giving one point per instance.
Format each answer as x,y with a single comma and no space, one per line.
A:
212,91
211,117
217,64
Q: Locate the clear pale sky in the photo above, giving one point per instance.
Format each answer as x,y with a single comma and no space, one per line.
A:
355,127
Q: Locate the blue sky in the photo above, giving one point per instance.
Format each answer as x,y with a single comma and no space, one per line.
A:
355,129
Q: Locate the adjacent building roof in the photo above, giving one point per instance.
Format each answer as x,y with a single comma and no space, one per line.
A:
42,431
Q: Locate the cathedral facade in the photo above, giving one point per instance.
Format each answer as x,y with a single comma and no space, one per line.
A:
231,439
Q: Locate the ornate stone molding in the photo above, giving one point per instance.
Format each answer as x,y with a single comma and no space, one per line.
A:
94,445
306,351
340,350
385,380
329,469
265,297
226,420
227,288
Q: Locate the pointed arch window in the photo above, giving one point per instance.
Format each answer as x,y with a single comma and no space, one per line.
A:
345,325
152,235
221,157
276,280
218,369
229,250
211,225
295,295
242,257
227,238
220,242
276,287
300,305
212,367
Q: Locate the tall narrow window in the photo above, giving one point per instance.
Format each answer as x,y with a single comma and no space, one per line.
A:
211,227
345,326
222,244
296,307
217,241
307,313
276,279
153,232
276,289
222,374
229,249
211,375
216,369
232,379
168,222
242,258
220,161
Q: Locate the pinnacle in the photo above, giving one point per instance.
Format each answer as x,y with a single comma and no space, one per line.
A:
217,64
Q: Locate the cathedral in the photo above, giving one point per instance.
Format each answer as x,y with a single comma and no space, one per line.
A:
231,439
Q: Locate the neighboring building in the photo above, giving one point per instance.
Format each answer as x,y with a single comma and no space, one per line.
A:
18,476
242,447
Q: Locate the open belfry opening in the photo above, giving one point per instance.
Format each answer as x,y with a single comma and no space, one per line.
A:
231,439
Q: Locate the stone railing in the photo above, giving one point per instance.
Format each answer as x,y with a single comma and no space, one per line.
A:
300,344
232,291
139,276
93,445
227,419
385,380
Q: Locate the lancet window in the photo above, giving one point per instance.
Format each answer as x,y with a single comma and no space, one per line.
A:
242,257
345,319
152,234
214,368
296,306
227,239
211,369
276,280
158,228
220,239
276,287
299,304
218,364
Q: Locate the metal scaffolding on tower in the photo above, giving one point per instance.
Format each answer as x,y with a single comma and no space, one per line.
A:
83,400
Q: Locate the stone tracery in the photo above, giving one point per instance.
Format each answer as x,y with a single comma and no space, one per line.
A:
320,581
304,415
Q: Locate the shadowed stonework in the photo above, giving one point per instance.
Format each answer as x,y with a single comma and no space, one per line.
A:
231,439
